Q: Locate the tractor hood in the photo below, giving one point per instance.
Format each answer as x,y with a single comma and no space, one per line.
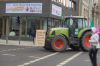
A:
59,31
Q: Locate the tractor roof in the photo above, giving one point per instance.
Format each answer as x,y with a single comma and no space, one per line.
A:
82,17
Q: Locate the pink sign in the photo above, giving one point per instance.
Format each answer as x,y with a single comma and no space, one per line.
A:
98,30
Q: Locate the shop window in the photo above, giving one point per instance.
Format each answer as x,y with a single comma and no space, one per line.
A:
14,26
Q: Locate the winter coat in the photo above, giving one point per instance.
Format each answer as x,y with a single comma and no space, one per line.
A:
94,40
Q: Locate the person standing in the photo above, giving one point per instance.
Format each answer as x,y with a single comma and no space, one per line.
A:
33,31
94,41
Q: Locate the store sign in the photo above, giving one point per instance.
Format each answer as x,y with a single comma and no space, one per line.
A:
56,10
24,8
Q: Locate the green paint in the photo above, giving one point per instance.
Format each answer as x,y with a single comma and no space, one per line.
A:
59,31
82,31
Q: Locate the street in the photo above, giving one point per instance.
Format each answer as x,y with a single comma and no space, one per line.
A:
72,26
37,56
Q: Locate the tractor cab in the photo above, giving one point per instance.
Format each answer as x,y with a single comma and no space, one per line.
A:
75,24
78,21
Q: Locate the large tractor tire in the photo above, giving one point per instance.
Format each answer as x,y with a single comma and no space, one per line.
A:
85,44
59,43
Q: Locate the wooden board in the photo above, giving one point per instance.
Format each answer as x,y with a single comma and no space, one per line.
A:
40,37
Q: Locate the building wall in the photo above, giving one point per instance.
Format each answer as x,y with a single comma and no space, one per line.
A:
85,8
98,14
76,7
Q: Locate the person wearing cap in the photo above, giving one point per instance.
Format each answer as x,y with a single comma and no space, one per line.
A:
94,43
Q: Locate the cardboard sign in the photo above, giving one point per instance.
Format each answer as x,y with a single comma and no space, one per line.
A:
40,37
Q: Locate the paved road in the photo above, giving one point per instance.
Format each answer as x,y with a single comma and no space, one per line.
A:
37,56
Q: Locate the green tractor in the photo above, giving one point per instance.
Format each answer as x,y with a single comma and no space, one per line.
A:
75,34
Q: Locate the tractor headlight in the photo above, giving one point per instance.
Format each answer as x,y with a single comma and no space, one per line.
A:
76,31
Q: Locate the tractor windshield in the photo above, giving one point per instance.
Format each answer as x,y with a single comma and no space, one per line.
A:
76,22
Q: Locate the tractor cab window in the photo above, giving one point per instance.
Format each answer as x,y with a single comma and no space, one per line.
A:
74,23
69,22
66,22
85,23
80,23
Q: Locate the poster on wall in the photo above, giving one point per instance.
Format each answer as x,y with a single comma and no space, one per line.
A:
24,8
56,10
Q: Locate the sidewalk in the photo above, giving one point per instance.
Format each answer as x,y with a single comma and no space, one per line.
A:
16,42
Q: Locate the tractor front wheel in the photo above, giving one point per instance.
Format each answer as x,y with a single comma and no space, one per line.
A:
59,43
85,44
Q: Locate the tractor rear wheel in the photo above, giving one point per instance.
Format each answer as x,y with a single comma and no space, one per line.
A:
59,43
85,44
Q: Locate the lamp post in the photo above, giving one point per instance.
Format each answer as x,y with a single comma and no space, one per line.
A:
71,8
93,11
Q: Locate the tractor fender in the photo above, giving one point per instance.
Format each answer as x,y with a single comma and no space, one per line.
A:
64,31
66,37
82,32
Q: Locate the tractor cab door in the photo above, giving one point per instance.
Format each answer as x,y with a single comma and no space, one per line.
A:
72,24
73,27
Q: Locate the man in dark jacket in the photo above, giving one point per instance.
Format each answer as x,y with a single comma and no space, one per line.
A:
32,32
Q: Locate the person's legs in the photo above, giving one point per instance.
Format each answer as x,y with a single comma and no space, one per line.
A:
91,55
95,57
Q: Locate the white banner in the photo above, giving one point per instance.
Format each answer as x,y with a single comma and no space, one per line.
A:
24,8
56,10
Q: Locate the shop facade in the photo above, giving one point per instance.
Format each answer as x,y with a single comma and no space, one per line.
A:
18,17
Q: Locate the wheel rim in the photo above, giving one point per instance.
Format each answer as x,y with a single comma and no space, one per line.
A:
59,44
86,41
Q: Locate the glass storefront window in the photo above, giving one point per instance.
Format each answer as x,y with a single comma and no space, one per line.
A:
22,30
13,26
52,23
